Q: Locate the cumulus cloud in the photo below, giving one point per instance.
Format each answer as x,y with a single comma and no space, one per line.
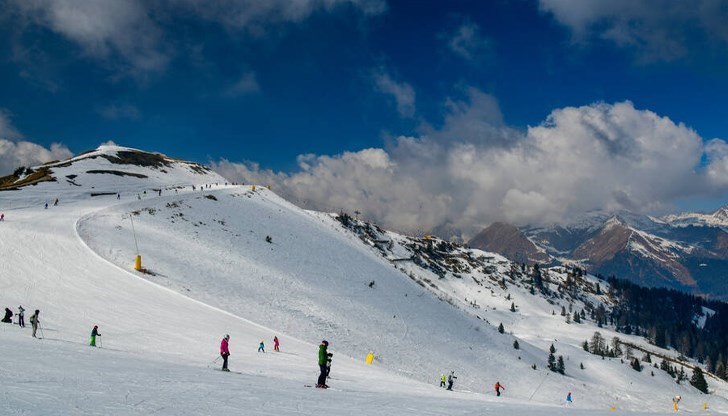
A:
24,153
403,93
467,42
658,30
595,157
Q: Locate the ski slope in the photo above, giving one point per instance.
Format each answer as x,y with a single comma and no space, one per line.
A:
212,272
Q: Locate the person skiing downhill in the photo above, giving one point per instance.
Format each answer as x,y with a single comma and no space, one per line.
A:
675,401
276,344
261,347
568,399
322,358
94,334
34,321
498,388
451,380
225,352
21,316
443,379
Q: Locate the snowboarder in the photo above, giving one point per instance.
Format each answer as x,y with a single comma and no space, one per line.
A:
8,316
443,379
225,351
451,380
568,399
94,334
21,316
261,347
34,321
498,388
276,344
322,359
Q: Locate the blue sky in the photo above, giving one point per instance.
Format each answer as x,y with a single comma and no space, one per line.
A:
289,92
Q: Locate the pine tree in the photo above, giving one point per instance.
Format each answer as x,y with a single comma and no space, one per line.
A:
577,319
560,368
585,345
552,349
581,365
515,344
698,380
563,311
636,365
513,307
500,328
551,362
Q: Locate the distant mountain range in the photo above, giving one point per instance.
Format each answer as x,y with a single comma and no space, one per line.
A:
688,252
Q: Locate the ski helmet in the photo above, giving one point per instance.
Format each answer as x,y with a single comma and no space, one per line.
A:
325,342
227,336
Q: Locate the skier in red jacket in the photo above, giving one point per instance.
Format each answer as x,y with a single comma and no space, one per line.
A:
224,351
498,388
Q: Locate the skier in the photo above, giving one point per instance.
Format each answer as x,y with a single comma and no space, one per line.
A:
118,196
21,316
46,205
276,344
2,217
34,322
443,379
261,347
322,359
498,388
568,399
8,316
450,380
94,334
675,401
55,204
224,351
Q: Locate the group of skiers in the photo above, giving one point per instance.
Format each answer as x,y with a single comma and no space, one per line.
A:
225,349
34,321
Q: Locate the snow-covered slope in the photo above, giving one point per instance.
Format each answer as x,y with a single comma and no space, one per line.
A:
211,271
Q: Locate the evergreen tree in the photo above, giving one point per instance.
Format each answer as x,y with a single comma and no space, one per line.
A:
698,380
515,344
577,319
513,307
551,362
560,365
552,349
636,365
581,365
585,345
647,358
500,328
563,311
720,370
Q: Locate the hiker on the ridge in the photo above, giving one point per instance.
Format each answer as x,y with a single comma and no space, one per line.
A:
451,380
8,316
34,321
21,316
225,351
498,388
322,358
261,347
443,380
276,344
94,334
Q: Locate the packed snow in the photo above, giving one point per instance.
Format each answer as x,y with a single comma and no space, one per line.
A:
241,260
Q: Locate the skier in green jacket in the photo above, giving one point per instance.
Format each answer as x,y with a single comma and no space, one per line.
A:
94,334
322,360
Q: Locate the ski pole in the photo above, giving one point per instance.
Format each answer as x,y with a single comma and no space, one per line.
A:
213,362
100,343
41,330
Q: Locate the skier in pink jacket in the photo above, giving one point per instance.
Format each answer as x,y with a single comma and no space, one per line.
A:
224,351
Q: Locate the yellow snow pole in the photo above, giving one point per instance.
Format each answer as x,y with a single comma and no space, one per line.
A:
705,406
370,358
138,263
612,408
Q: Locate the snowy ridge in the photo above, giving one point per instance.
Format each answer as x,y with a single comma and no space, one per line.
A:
424,306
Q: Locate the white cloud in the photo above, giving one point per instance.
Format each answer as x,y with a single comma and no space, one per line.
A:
23,153
119,112
403,93
658,30
7,130
599,156
247,84
468,43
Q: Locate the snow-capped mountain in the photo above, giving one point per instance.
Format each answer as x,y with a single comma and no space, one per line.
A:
718,218
222,258
687,252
